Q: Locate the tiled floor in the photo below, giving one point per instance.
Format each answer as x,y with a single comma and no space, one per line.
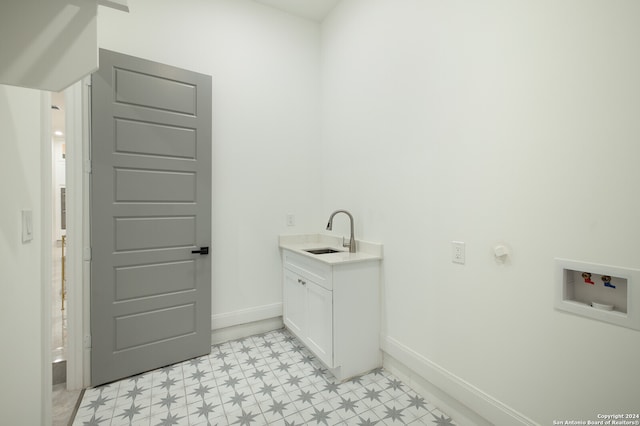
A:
63,402
268,379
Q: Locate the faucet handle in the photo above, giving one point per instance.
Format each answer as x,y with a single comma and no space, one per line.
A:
344,242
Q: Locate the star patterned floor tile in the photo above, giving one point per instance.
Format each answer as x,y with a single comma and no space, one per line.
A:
270,379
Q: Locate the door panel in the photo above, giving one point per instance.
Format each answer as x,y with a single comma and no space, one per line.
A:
150,208
170,141
154,279
155,186
158,92
138,233
148,327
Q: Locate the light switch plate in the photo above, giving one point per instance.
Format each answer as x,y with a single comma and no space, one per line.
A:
27,226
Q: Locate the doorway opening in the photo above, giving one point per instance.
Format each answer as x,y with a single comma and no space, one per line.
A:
58,189
66,213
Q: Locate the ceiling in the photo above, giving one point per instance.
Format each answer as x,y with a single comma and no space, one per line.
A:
315,10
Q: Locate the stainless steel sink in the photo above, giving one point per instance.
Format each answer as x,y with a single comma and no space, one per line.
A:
322,251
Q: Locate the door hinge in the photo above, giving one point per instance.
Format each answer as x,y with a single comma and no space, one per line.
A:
87,341
87,166
87,253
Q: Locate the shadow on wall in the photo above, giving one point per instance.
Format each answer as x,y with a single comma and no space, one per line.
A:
53,46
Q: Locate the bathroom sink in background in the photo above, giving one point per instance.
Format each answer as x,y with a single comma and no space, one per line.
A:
323,251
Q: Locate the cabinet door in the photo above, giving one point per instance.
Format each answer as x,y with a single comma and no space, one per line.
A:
293,303
319,322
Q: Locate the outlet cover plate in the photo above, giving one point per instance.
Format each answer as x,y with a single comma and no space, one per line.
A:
458,252
27,226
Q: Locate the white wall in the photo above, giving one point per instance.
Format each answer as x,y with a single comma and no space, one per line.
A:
265,68
20,264
484,122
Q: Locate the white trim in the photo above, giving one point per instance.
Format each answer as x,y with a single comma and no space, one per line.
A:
85,90
467,394
244,316
245,330
46,254
74,179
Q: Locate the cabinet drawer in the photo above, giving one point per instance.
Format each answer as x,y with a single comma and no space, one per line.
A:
310,269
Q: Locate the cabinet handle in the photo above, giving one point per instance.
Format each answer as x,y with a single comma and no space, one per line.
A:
302,282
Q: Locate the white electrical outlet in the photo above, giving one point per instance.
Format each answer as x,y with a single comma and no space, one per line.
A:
457,252
291,220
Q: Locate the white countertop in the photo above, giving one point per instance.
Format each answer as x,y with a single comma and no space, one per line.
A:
365,250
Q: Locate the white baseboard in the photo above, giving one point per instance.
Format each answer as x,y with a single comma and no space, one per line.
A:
245,330
459,398
246,322
245,316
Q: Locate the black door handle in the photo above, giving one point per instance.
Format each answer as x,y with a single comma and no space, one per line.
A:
202,251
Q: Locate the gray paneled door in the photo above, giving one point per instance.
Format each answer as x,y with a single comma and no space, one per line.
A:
150,211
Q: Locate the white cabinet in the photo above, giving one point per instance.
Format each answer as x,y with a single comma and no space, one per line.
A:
334,310
308,310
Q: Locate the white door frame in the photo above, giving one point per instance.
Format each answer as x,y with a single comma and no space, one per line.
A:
46,252
77,267
77,142
75,128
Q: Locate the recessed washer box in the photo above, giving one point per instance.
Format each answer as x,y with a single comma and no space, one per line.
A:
601,292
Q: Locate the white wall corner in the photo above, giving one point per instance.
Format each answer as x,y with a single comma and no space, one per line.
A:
472,398
244,316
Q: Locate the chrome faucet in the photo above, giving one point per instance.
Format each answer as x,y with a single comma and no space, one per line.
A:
352,240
